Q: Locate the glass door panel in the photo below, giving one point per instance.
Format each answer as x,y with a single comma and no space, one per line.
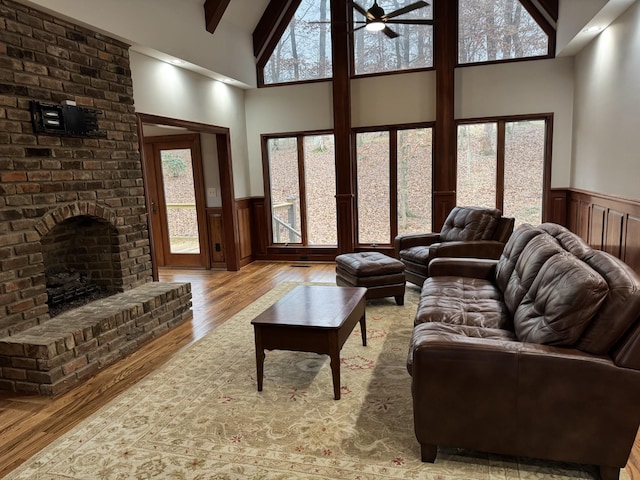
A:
374,191
414,180
320,189
524,170
284,178
180,201
477,165
177,204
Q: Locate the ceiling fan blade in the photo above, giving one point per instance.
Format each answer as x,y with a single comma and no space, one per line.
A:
390,33
409,21
407,9
362,11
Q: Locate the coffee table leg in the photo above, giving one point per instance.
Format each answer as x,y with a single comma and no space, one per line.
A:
259,357
334,354
363,329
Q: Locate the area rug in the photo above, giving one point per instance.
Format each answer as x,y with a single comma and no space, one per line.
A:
201,417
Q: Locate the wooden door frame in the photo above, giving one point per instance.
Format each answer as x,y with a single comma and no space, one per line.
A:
153,147
225,171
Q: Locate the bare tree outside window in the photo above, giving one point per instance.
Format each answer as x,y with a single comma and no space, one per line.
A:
302,183
519,192
304,51
374,52
490,30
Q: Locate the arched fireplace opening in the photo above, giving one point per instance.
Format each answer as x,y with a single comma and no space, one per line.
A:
79,255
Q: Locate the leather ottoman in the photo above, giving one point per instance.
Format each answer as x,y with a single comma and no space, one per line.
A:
381,275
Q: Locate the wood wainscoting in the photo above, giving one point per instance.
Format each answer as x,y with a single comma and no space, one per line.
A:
245,220
221,255
607,223
603,221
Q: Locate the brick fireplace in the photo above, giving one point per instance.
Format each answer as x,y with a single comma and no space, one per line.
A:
74,203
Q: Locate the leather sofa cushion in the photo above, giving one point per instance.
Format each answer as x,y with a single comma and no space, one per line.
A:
367,264
462,301
534,255
511,253
470,223
561,302
419,255
619,310
447,333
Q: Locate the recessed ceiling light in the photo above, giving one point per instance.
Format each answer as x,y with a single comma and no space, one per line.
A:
176,61
593,29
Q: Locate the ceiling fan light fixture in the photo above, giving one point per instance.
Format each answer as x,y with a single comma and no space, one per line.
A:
375,26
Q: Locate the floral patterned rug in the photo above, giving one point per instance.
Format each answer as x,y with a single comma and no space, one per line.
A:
201,416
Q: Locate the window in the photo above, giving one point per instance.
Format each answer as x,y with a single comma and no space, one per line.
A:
502,164
375,52
302,187
304,50
393,183
491,30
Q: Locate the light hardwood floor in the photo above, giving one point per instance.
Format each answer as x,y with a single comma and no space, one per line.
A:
29,423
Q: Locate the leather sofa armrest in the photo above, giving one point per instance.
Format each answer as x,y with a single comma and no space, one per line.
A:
473,248
499,393
483,268
409,240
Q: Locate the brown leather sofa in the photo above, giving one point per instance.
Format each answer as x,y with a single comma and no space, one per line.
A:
536,354
467,232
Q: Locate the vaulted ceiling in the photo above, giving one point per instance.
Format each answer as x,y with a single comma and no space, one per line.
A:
245,30
278,14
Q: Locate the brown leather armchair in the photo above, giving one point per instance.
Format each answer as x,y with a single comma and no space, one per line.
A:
467,232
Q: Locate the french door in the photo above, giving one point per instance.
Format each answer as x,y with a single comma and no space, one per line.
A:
176,193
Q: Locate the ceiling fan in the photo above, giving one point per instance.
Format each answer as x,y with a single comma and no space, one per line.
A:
377,20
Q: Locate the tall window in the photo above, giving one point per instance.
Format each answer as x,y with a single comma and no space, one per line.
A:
375,52
302,186
502,164
491,30
394,183
304,50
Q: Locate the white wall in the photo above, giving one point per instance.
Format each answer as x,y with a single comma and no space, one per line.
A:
393,99
538,86
607,114
169,91
158,26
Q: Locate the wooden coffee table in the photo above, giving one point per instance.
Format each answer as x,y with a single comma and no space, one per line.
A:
315,319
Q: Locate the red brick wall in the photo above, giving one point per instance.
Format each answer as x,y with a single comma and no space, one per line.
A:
47,179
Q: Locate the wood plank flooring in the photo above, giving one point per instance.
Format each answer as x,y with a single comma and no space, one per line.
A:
29,423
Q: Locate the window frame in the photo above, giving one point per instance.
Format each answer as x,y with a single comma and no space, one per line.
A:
392,130
352,59
500,122
264,48
299,136
546,27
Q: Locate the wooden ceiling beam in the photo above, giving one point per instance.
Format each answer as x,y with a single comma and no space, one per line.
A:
272,25
213,11
538,10
551,7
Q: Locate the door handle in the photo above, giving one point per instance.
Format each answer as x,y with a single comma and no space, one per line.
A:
154,209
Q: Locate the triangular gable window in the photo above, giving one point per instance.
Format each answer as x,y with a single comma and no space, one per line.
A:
496,30
304,50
